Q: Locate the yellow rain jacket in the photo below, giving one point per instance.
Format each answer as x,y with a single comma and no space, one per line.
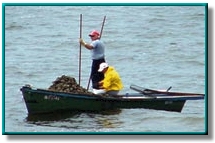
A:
112,80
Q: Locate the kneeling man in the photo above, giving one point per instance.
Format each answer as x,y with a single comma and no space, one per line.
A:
111,84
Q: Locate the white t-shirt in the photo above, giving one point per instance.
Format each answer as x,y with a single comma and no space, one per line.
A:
98,50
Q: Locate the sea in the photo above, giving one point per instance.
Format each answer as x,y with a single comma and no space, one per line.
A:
150,46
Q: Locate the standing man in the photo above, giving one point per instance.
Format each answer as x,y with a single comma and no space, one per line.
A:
97,52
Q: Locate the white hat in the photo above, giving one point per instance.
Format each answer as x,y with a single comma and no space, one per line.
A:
102,66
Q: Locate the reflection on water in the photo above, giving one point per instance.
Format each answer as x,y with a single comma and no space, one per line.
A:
56,116
77,120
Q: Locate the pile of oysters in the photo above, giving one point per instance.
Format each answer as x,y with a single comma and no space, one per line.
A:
69,85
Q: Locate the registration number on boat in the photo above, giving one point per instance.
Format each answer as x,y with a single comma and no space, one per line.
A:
51,97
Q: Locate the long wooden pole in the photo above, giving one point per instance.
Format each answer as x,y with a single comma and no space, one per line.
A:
88,85
79,81
103,23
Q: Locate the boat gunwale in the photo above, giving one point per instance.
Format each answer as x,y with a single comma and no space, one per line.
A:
137,96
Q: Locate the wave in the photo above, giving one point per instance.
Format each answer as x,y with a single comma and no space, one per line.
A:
13,26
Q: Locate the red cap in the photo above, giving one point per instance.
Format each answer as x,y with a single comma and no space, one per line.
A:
93,33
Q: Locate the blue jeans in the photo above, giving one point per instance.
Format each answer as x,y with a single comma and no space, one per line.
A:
95,75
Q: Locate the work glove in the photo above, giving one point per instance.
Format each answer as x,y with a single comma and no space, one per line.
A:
82,42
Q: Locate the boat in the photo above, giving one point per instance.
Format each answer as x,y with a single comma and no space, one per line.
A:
45,101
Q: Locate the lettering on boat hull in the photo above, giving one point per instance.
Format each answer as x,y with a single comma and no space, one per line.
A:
168,102
51,97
